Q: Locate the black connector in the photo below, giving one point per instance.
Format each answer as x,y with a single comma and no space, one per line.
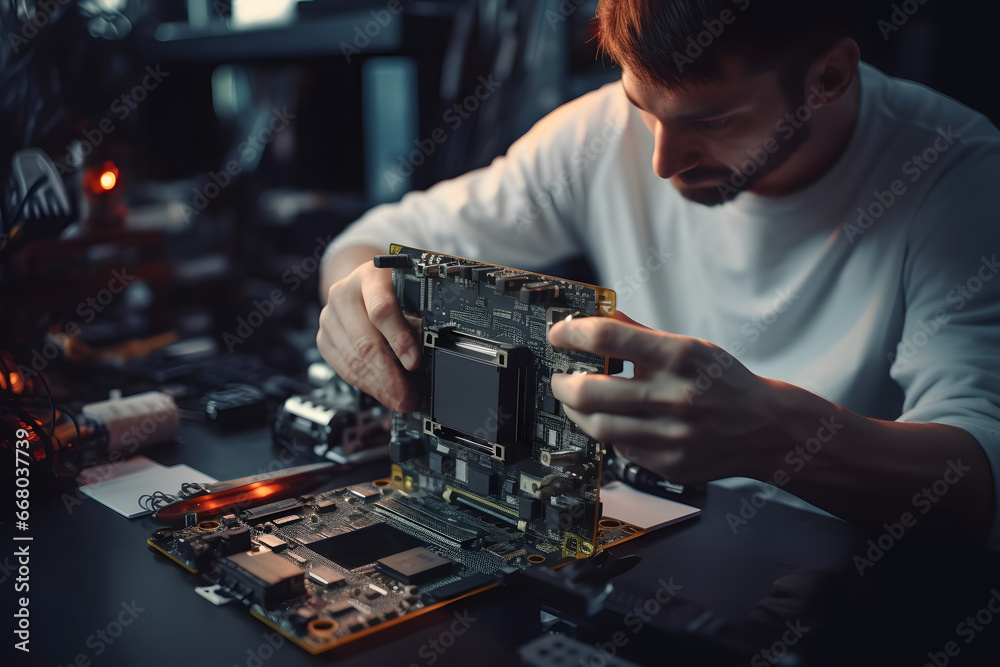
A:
392,261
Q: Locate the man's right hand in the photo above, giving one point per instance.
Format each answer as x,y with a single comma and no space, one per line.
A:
364,336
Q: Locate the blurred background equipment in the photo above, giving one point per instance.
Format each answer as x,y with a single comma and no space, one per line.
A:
59,442
336,422
141,420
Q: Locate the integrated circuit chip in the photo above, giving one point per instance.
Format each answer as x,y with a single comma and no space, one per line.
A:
285,520
367,492
415,566
325,576
478,390
267,578
324,506
363,546
273,543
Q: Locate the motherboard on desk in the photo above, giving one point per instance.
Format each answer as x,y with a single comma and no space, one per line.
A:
488,475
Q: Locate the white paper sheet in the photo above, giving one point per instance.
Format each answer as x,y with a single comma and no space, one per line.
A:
641,509
121,492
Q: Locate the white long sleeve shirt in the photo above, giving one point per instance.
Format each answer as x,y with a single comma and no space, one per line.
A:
876,287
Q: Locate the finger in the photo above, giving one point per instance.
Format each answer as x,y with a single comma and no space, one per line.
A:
386,315
622,317
625,396
662,461
610,338
359,354
637,434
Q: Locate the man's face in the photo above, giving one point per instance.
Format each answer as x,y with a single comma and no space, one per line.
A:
718,140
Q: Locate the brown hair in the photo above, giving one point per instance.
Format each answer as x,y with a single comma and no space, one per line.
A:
683,43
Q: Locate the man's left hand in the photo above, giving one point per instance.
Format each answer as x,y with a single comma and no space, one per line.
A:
692,412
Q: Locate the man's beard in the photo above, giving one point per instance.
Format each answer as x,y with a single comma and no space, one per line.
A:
725,188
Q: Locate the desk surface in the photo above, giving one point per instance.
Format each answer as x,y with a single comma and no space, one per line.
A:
90,570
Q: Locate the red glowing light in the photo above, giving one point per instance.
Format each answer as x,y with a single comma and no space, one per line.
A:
108,180
14,382
102,179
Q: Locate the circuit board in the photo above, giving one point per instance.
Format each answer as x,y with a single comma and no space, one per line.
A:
488,476
489,433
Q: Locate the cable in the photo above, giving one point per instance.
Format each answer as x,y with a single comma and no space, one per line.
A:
52,405
23,406
30,421
17,212
26,397
152,502
72,418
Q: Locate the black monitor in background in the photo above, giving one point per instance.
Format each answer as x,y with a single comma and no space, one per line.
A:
302,132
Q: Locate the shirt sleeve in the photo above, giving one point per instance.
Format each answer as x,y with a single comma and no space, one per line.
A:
948,360
522,210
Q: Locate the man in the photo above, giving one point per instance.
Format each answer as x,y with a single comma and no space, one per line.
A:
815,243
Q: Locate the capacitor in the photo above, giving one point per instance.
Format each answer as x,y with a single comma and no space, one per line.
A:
561,457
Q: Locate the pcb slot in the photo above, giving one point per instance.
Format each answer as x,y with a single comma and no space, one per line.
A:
492,449
452,535
458,496
417,506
